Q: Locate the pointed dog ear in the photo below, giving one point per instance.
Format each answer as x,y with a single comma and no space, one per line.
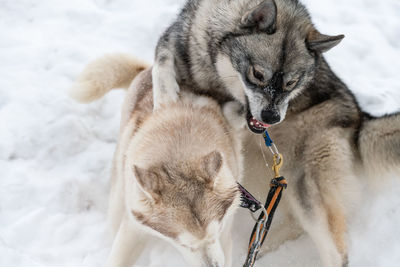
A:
148,181
262,16
320,43
211,164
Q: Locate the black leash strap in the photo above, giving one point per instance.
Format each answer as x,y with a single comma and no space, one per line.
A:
277,185
261,228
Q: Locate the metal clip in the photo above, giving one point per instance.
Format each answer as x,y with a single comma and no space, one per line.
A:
270,144
278,162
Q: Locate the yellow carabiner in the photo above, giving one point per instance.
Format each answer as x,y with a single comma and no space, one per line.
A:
277,165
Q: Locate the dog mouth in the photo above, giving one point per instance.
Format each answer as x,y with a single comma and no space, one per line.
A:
255,125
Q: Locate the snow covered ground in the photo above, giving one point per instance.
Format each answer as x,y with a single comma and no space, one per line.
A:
55,154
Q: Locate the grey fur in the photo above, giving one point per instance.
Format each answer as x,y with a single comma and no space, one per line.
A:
275,37
279,72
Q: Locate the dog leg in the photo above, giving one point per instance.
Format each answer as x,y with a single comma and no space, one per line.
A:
226,241
165,86
127,246
328,237
338,228
320,195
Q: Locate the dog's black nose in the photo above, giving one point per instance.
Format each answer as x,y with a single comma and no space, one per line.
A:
270,116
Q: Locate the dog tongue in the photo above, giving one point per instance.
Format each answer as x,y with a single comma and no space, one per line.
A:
259,124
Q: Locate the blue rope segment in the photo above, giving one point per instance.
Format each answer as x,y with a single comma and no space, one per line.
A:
267,139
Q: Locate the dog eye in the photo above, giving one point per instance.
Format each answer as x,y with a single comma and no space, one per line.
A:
291,84
258,74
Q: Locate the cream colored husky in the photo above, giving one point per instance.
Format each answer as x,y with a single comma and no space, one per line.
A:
174,171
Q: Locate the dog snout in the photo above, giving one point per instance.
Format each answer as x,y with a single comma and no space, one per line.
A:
270,116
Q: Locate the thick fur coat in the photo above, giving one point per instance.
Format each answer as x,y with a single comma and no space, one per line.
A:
268,56
175,171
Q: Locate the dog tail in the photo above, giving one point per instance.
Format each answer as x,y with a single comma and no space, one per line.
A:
104,74
379,143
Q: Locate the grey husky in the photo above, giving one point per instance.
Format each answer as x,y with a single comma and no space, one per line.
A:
268,56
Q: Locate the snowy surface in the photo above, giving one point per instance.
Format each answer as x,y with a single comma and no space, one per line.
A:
55,154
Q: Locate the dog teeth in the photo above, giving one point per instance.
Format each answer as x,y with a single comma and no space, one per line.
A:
256,124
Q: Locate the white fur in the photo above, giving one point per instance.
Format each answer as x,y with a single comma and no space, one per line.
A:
230,77
165,87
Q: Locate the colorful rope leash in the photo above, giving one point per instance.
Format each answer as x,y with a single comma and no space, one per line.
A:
261,228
